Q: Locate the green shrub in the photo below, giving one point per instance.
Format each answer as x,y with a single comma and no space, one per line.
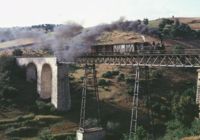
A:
141,135
130,80
65,136
103,82
73,68
130,91
48,118
91,123
17,52
71,77
45,108
156,74
46,135
177,49
121,77
22,132
175,130
14,89
115,72
195,129
185,109
112,126
108,74
82,78
17,119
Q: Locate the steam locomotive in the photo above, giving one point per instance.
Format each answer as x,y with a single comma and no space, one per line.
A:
128,48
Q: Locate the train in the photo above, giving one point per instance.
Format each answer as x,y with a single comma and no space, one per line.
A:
128,48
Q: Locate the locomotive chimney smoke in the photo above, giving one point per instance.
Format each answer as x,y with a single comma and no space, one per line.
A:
72,39
143,38
7,34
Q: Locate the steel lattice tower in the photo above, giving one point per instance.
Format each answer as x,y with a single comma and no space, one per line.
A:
89,81
134,111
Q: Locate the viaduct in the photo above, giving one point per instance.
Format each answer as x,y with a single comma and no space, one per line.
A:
53,81
51,77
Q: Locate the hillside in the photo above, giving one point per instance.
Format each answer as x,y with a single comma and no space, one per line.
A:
194,23
172,96
115,100
119,36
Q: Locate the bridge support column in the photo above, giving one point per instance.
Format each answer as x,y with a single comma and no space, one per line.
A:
198,90
63,95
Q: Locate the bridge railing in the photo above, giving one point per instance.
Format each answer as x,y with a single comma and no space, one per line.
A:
145,52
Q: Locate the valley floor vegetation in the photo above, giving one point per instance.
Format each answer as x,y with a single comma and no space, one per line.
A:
168,112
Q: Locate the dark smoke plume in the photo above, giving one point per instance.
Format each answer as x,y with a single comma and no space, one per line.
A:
7,34
71,40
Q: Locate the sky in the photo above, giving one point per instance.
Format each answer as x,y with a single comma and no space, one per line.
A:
91,12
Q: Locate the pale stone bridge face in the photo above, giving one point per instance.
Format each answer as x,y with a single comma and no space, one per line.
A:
51,77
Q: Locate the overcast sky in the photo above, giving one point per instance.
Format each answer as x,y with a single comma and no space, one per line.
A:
91,12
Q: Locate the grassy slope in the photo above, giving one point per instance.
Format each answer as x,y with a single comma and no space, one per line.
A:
115,102
194,23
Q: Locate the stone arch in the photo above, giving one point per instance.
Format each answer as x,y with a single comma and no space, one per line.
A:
31,72
46,82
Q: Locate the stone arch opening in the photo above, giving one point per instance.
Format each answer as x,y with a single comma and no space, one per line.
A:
31,72
46,82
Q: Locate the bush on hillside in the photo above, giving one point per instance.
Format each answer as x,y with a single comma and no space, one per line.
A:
195,128
112,126
141,134
46,135
175,130
185,108
9,74
130,80
174,29
130,91
17,52
22,132
177,49
44,108
107,74
156,74
14,89
115,72
89,123
121,77
103,82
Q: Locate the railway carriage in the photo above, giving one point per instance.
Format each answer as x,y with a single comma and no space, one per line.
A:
128,48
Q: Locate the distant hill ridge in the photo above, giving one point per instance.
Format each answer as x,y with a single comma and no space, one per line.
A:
193,22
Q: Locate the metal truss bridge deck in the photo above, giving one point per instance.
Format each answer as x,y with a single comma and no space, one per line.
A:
151,60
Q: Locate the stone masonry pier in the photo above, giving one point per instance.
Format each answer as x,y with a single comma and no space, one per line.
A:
51,77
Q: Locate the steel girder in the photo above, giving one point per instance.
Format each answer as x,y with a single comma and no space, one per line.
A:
151,60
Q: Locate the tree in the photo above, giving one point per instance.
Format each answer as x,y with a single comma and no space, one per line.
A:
107,74
146,21
175,130
177,22
13,86
165,22
17,52
198,34
181,30
140,135
6,72
178,49
185,108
